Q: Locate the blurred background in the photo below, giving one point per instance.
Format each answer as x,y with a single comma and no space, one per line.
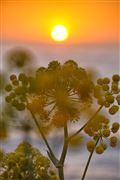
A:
26,43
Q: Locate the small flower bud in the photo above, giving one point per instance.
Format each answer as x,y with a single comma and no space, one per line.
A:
99,149
110,99
106,132
113,141
13,77
22,77
15,102
15,82
100,81
106,80
115,127
114,87
105,87
90,146
113,109
104,146
118,99
8,99
8,87
115,77
106,104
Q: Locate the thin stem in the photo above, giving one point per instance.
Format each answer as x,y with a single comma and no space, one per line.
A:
65,146
61,173
50,153
48,95
63,154
52,109
89,159
85,124
73,94
50,103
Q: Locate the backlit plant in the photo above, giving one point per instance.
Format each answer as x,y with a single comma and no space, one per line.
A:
25,163
59,94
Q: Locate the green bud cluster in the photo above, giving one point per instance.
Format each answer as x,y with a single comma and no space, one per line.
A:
26,162
17,90
97,124
99,149
107,93
99,128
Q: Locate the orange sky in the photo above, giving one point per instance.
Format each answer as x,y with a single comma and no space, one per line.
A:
87,21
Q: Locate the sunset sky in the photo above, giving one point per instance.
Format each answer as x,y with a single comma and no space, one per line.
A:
93,42
87,21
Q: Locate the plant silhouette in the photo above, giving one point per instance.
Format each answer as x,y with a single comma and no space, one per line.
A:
58,95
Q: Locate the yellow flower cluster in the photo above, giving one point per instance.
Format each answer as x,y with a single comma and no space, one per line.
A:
107,93
58,92
99,128
26,162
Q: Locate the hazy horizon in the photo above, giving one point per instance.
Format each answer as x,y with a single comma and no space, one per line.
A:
104,59
93,41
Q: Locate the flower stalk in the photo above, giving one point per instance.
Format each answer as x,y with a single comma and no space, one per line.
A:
50,152
77,132
89,159
63,154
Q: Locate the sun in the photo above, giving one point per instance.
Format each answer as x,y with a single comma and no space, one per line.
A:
59,33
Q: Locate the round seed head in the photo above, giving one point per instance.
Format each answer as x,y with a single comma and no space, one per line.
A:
15,82
8,87
113,109
113,141
104,146
115,127
15,103
13,77
8,99
118,99
115,77
90,146
99,149
110,99
105,87
100,81
106,80
106,132
114,86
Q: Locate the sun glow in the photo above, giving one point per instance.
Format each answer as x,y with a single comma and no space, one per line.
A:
59,33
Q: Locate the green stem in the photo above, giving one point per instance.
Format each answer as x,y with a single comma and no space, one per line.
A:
61,173
88,162
65,146
63,154
72,136
50,152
